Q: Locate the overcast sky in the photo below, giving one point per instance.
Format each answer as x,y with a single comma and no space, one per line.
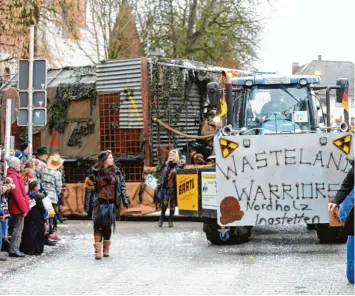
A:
300,30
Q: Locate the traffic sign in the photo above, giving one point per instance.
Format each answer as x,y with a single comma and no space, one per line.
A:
23,67
39,117
39,75
39,99
38,90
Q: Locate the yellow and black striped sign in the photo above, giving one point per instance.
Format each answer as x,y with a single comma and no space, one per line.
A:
344,144
227,147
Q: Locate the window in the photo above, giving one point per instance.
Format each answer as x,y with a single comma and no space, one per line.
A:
278,108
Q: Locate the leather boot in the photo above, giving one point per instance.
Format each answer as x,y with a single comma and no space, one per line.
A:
98,245
171,217
98,249
162,215
107,245
171,222
161,220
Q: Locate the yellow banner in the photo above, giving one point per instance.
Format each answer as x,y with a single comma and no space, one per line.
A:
187,192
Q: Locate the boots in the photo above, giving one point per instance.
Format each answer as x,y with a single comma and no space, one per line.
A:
171,217
98,245
171,222
98,249
107,245
161,221
162,215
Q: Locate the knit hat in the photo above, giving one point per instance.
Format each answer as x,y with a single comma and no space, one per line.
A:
12,161
18,154
42,150
23,146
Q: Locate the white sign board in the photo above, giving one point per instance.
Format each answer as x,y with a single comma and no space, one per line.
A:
279,179
209,190
300,116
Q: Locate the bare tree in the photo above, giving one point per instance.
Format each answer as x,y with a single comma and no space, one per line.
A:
65,16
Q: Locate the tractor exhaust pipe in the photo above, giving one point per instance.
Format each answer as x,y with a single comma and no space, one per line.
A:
327,98
229,98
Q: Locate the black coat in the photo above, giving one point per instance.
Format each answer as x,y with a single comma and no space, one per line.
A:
33,231
91,198
346,186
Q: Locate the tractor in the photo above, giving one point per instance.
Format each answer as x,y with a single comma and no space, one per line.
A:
278,161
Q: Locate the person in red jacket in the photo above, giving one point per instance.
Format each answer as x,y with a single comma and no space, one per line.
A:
19,205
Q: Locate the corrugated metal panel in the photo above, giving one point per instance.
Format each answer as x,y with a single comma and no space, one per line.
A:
189,122
114,76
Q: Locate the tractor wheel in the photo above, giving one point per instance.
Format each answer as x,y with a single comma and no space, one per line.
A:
236,235
331,235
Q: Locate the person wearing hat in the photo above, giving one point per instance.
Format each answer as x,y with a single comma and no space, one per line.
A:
40,162
52,183
42,155
19,205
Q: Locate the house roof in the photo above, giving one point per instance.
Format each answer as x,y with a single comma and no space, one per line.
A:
330,72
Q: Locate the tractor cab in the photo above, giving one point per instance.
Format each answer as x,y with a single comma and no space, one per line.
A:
270,104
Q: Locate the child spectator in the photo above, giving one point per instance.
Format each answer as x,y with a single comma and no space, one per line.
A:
33,232
27,176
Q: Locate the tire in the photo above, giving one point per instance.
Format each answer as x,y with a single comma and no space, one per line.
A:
237,235
331,235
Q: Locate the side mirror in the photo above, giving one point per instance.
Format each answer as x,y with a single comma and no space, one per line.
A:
344,88
214,94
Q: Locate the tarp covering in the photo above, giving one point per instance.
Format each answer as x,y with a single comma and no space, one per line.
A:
140,195
74,199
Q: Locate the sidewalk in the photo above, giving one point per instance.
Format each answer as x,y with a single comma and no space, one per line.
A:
12,265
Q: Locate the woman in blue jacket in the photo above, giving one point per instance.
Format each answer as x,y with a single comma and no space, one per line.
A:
346,215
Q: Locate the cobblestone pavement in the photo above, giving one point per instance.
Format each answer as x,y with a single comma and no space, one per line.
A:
148,260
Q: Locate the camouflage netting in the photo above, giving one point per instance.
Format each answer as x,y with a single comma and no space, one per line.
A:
73,121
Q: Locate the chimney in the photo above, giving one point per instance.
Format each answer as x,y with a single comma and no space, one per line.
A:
295,67
319,57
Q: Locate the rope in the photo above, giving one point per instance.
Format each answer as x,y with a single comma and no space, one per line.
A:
168,127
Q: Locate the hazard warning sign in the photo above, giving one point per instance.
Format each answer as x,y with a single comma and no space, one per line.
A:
227,147
344,144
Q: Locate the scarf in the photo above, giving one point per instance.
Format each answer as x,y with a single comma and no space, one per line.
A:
107,174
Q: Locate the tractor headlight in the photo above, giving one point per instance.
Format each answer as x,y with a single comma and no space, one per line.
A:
249,83
303,81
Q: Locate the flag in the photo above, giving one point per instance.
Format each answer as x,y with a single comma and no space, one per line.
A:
222,108
345,101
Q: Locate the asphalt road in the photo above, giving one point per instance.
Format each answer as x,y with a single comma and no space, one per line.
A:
146,259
